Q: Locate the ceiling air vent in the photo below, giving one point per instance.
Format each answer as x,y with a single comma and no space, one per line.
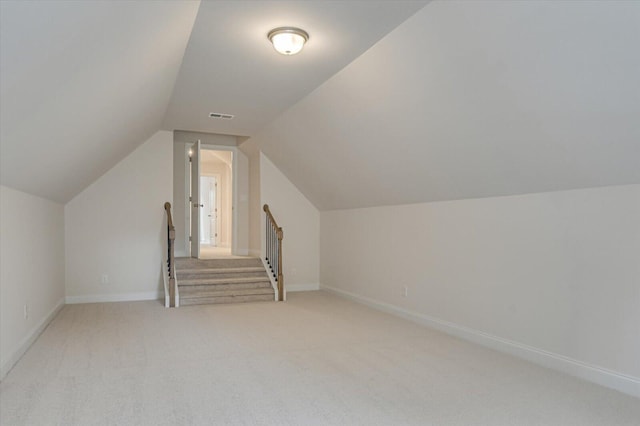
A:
220,116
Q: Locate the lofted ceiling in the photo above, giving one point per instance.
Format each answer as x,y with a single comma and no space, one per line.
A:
472,99
390,102
84,83
230,66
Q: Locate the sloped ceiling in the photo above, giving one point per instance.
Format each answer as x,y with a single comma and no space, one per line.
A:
472,99
462,99
83,84
230,66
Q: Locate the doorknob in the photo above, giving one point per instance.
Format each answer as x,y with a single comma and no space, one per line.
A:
198,205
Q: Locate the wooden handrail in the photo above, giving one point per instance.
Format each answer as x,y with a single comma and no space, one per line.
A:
274,237
171,260
270,216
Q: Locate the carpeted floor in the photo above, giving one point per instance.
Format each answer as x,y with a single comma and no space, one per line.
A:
314,360
212,252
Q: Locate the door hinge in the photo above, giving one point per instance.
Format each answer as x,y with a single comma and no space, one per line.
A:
189,237
190,199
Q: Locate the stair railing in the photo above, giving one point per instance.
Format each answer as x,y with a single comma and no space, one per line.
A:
273,250
171,261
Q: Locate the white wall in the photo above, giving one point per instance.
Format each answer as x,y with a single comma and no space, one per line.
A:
182,136
178,204
31,270
554,277
241,228
300,222
255,205
116,226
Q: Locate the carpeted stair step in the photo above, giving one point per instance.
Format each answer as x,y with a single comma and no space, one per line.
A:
227,299
215,292
186,274
213,281
228,280
188,289
245,269
241,262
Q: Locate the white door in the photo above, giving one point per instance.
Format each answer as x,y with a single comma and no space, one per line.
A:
213,211
195,200
208,211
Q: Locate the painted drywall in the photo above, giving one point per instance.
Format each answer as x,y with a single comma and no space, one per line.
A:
558,272
230,67
117,227
241,228
85,82
184,136
31,270
300,221
180,194
255,205
477,99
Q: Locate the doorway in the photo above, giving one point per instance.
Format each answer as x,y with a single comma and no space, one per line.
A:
211,201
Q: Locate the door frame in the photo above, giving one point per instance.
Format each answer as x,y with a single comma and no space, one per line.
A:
186,201
234,192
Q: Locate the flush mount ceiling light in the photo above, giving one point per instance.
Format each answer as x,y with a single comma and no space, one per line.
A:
288,40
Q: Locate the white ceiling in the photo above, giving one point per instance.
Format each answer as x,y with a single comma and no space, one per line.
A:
472,99
462,99
230,66
82,84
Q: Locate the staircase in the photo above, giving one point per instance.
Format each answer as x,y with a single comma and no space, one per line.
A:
232,280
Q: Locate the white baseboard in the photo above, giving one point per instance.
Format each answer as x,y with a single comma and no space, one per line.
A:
31,337
602,376
117,297
241,252
290,288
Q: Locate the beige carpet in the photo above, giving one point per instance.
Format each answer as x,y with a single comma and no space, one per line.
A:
211,252
314,360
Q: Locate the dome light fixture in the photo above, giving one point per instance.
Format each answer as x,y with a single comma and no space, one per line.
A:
288,40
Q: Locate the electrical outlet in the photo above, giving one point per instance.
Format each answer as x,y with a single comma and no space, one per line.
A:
26,311
405,291
104,279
